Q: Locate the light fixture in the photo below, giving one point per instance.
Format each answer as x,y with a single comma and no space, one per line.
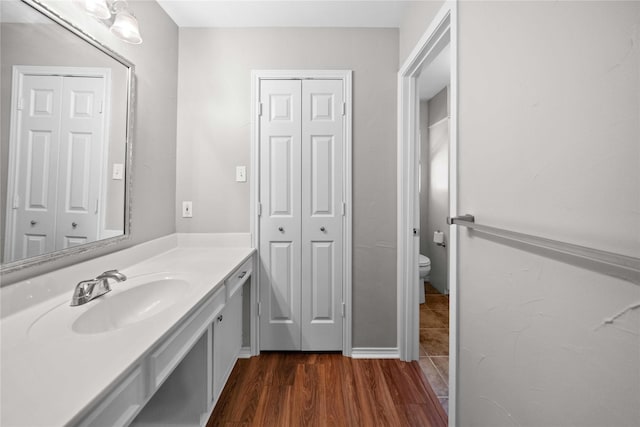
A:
116,15
96,8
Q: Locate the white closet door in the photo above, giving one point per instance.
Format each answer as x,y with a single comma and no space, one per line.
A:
38,127
280,220
322,197
81,157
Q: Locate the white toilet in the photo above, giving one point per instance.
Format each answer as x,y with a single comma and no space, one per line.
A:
424,266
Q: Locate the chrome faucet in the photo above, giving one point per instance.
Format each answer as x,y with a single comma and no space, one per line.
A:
87,290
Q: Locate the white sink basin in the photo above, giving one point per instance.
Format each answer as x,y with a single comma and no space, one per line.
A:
129,302
131,306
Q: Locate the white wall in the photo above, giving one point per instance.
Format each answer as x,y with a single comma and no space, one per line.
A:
549,131
156,62
214,136
434,197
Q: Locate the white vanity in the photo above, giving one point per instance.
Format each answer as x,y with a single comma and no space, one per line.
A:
158,348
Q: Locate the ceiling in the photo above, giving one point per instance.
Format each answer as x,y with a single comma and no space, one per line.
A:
293,13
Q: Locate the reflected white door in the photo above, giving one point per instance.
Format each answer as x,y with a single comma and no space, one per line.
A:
80,163
58,146
31,229
301,196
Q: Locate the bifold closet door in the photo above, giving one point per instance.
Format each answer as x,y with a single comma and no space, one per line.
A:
301,196
280,219
322,134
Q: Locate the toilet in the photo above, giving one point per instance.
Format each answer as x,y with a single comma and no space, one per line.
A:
424,266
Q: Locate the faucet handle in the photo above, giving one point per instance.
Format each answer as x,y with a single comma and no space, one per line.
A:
83,292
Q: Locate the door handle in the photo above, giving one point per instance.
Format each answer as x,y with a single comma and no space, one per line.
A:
74,224
33,222
322,228
280,229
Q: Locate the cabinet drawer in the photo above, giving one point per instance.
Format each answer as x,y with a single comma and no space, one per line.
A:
165,358
120,406
238,277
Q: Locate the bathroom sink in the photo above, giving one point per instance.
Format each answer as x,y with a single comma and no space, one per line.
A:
129,302
130,306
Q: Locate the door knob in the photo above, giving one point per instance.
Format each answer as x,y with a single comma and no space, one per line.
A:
322,228
33,222
280,229
74,224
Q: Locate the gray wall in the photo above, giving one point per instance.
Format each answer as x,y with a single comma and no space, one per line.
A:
214,136
414,23
549,131
434,196
154,133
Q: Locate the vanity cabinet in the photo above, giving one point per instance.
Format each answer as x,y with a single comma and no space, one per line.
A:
187,371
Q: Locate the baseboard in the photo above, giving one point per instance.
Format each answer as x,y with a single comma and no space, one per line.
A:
245,353
375,353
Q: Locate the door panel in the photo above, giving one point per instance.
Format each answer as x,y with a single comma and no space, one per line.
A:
38,138
281,295
322,194
280,222
82,145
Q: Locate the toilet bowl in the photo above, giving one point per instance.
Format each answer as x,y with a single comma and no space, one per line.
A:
424,267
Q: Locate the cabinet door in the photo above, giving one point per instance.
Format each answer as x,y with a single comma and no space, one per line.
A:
227,341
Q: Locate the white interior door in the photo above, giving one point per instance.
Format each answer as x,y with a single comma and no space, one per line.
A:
301,199
322,211
281,219
31,228
81,155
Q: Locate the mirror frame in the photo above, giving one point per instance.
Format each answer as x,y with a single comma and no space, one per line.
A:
55,255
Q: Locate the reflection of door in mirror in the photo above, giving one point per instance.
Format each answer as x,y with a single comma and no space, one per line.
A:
57,152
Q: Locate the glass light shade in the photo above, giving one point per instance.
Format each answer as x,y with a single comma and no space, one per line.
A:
96,8
125,27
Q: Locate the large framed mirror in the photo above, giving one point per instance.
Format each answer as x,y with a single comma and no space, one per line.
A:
66,104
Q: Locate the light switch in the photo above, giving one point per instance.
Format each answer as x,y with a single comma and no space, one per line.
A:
187,209
118,171
241,174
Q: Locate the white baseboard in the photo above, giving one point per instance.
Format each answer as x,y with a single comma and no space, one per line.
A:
245,353
375,353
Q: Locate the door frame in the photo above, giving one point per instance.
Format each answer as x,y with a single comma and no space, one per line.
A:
18,73
346,77
444,24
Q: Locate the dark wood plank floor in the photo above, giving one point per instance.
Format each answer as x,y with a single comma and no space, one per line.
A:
305,389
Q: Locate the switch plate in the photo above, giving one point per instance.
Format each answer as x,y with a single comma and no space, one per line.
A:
241,174
187,209
118,171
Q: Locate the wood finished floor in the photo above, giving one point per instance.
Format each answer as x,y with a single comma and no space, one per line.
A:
327,389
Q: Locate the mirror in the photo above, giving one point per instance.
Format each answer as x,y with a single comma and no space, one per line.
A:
65,139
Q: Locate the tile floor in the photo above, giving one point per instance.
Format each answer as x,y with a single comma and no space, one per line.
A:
434,342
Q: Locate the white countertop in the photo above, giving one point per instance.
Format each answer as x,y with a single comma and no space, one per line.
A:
48,378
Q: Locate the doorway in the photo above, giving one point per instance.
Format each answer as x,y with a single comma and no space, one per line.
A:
439,41
302,194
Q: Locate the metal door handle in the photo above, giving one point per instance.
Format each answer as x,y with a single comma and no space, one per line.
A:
244,273
220,318
74,224
280,229
322,228
33,222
